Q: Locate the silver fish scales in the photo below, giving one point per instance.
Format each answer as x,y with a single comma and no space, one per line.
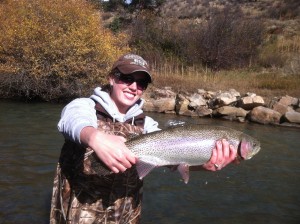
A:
188,145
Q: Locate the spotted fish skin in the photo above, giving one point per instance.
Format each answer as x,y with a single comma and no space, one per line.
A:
187,145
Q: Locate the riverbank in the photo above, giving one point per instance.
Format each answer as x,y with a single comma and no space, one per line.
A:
230,105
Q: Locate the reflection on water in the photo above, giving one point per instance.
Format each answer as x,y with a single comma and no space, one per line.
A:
264,189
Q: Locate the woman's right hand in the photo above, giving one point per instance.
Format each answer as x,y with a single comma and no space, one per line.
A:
111,149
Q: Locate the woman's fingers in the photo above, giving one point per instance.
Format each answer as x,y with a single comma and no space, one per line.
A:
222,155
113,152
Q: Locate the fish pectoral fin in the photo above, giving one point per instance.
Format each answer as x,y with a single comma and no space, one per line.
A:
143,168
184,171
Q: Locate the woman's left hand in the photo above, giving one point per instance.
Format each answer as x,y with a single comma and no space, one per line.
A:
222,155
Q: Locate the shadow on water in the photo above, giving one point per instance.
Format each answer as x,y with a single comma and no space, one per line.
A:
263,189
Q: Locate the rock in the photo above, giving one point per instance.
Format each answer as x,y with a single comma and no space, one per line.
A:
181,107
230,111
282,108
160,100
203,111
166,105
264,115
292,117
189,113
272,102
201,91
225,98
196,100
228,105
249,102
289,101
162,93
209,95
250,94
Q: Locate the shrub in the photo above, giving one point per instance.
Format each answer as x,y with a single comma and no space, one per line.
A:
154,38
227,40
50,49
286,9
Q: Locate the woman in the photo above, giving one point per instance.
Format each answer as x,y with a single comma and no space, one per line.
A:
96,179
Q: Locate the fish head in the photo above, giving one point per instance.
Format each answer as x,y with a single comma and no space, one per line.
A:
248,147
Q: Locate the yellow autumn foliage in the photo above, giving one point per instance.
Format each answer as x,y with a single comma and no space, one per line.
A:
56,43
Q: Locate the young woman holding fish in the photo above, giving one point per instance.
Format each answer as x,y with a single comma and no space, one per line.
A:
95,130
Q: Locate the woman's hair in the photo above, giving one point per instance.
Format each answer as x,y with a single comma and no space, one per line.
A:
107,87
113,72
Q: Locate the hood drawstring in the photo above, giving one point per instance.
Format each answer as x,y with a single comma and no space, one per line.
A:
132,122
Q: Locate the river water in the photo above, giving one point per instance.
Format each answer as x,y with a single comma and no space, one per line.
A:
263,189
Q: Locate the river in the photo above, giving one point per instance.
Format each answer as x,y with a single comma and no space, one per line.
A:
263,189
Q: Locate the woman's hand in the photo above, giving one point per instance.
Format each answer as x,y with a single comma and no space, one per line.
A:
111,149
222,155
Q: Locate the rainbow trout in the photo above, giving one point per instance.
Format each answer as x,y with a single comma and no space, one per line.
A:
188,145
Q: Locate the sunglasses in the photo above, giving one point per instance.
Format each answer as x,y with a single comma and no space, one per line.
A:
141,84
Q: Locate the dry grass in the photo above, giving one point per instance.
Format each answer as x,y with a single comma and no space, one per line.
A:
267,84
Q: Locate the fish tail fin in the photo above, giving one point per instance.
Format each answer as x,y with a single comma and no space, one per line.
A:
184,171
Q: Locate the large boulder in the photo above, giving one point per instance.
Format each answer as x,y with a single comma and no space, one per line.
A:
289,101
165,105
230,111
282,108
203,111
250,101
292,117
182,105
224,98
285,104
264,115
160,100
196,100
191,105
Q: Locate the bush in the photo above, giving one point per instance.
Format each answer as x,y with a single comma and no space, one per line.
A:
155,38
227,40
286,9
50,49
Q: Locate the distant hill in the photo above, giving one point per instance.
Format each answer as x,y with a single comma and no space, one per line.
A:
288,9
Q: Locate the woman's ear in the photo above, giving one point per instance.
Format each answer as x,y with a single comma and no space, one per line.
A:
111,80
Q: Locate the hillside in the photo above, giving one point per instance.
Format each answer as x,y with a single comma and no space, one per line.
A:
284,14
169,36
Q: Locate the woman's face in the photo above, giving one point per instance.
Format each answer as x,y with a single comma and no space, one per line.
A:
127,89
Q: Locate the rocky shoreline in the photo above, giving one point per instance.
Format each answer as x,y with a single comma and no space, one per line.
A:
231,105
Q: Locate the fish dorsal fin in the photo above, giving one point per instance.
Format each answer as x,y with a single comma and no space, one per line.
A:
184,171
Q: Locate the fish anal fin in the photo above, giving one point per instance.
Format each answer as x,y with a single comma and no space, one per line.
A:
184,171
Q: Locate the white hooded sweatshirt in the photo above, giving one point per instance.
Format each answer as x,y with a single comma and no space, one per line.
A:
81,113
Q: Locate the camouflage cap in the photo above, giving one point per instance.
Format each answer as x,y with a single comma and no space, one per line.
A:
130,63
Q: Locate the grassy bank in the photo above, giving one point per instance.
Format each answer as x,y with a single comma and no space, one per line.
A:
266,83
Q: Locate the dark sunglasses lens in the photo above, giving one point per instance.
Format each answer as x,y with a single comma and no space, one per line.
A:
143,84
127,79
